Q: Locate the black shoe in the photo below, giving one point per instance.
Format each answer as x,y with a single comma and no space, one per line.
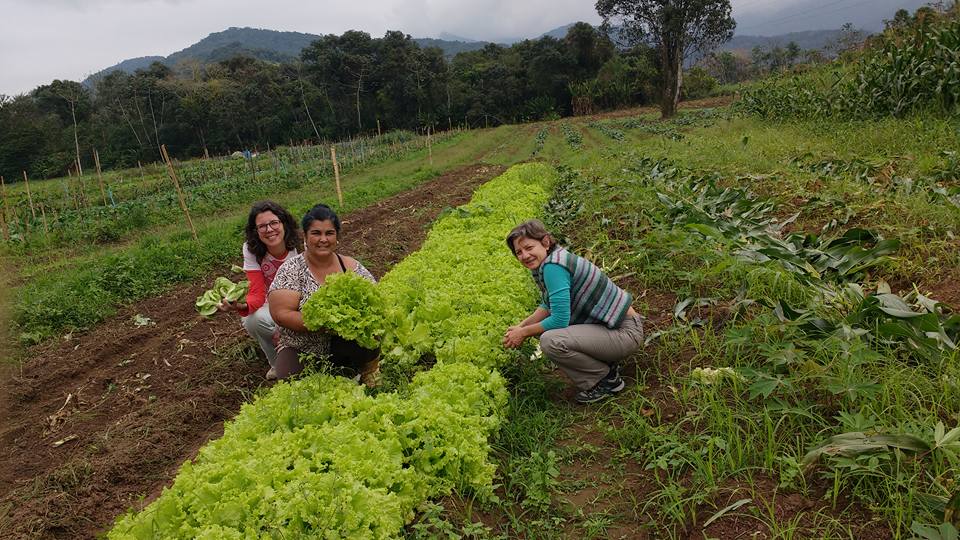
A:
608,386
613,376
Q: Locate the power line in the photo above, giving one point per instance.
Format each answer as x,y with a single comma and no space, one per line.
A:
753,3
810,13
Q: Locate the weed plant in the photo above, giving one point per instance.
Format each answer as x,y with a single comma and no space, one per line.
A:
749,385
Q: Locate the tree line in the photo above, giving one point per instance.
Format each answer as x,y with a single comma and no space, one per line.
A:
342,85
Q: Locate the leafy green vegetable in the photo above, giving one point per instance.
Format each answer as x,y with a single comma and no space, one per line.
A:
350,306
317,457
223,289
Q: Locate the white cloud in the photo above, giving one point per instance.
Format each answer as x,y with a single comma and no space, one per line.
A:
41,40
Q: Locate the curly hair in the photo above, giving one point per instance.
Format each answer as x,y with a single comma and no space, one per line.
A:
291,234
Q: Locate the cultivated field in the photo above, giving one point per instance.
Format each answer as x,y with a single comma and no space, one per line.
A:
799,380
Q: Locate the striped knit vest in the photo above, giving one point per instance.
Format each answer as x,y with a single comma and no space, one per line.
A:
594,298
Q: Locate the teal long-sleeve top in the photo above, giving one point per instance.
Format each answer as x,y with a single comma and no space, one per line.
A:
556,278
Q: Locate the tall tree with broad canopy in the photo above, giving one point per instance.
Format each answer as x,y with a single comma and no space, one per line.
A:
677,28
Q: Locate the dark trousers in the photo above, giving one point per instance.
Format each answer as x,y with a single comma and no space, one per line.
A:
348,359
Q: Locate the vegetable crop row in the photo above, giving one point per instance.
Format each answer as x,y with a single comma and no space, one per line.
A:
209,186
318,457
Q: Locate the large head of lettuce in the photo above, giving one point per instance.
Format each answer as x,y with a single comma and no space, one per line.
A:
349,306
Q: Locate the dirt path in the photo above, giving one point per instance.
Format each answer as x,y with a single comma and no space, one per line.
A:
97,422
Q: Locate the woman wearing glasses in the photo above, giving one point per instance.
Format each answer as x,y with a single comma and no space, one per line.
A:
271,238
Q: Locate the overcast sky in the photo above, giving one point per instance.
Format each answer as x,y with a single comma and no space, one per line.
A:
42,40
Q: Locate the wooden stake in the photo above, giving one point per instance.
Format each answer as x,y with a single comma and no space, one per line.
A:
29,196
139,166
336,173
378,127
430,146
176,184
43,212
83,189
3,191
103,192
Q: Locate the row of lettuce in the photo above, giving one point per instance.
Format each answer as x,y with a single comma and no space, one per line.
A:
320,457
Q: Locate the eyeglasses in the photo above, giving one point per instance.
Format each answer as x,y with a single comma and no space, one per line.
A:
275,224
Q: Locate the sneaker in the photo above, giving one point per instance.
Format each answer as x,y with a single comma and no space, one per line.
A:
611,384
271,375
613,376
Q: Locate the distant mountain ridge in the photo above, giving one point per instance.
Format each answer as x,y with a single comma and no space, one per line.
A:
268,45
810,39
278,46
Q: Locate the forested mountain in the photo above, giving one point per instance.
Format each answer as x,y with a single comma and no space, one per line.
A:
338,86
278,47
267,45
248,88
286,45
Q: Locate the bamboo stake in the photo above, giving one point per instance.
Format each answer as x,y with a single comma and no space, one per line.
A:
43,212
83,189
139,166
378,127
96,161
176,184
69,191
29,196
430,146
3,190
66,193
336,173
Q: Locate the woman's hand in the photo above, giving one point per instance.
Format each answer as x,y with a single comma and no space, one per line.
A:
226,305
514,337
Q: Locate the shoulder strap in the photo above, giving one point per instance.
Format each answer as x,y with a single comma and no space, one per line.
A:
343,268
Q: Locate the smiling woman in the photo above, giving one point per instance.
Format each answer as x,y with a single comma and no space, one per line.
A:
300,277
271,236
585,322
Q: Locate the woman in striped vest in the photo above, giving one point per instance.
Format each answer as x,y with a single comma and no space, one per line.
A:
585,322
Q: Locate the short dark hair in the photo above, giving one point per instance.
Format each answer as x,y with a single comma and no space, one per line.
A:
291,235
533,229
320,212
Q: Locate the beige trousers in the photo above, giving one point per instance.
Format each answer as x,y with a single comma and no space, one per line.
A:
586,352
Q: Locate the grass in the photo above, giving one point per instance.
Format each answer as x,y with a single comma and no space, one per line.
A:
157,258
698,445
680,447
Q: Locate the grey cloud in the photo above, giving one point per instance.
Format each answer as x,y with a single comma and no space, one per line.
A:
73,38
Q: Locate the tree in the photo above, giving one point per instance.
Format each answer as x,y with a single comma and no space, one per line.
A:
726,67
75,96
589,48
849,39
758,60
901,21
792,53
677,28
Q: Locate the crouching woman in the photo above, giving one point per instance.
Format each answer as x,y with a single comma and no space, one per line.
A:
300,277
585,322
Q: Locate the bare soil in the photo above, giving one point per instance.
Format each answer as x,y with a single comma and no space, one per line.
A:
94,424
